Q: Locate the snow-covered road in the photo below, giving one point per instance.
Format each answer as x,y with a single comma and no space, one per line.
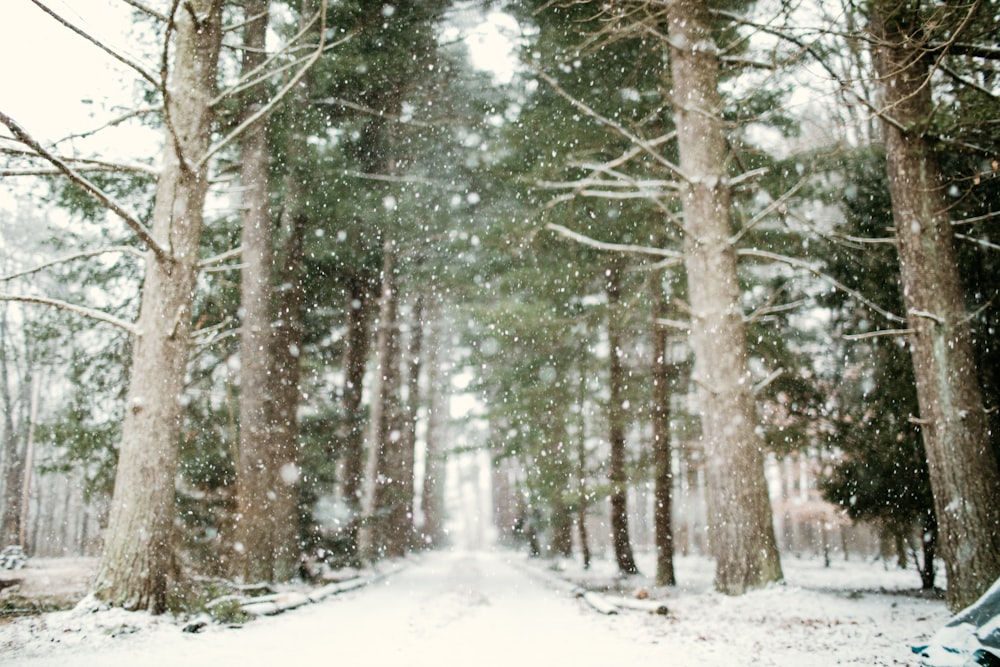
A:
494,609
457,608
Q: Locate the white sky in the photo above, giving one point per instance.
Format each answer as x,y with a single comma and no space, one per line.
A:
47,71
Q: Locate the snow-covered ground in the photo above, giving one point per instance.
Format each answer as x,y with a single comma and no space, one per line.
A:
483,609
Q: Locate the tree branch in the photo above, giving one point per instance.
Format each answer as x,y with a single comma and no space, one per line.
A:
613,247
274,101
129,250
876,334
86,164
618,127
114,54
146,10
92,313
140,229
798,263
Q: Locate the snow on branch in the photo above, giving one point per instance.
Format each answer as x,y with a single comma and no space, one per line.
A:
92,313
876,334
613,247
128,250
222,257
140,229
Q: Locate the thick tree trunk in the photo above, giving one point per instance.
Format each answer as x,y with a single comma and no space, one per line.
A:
361,304
663,475
256,474
963,469
138,553
617,473
741,528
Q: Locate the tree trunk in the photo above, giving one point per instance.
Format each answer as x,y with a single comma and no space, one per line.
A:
137,560
287,342
617,473
13,456
432,498
963,470
360,312
582,500
662,456
256,474
384,493
411,410
741,528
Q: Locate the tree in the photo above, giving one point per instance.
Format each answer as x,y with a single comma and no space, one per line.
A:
617,473
953,419
740,527
881,472
258,472
137,560
663,478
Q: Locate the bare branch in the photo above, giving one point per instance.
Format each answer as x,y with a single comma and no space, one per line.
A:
99,44
111,123
128,250
618,127
770,208
876,334
798,263
675,324
772,310
774,375
927,315
274,101
146,10
254,76
92,313
140,229
982,243
218,259
613,247
85,164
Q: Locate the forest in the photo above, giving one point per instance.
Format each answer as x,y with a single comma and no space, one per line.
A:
678,275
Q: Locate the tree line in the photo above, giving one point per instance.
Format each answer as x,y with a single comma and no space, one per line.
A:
760,229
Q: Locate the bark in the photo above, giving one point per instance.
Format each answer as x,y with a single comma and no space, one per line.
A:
582,501
287,341
360,313
13,455
256,473
964,475
928,541
410,414
137,560
617,473
432,498
561,460
384,494
662,471
741,529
